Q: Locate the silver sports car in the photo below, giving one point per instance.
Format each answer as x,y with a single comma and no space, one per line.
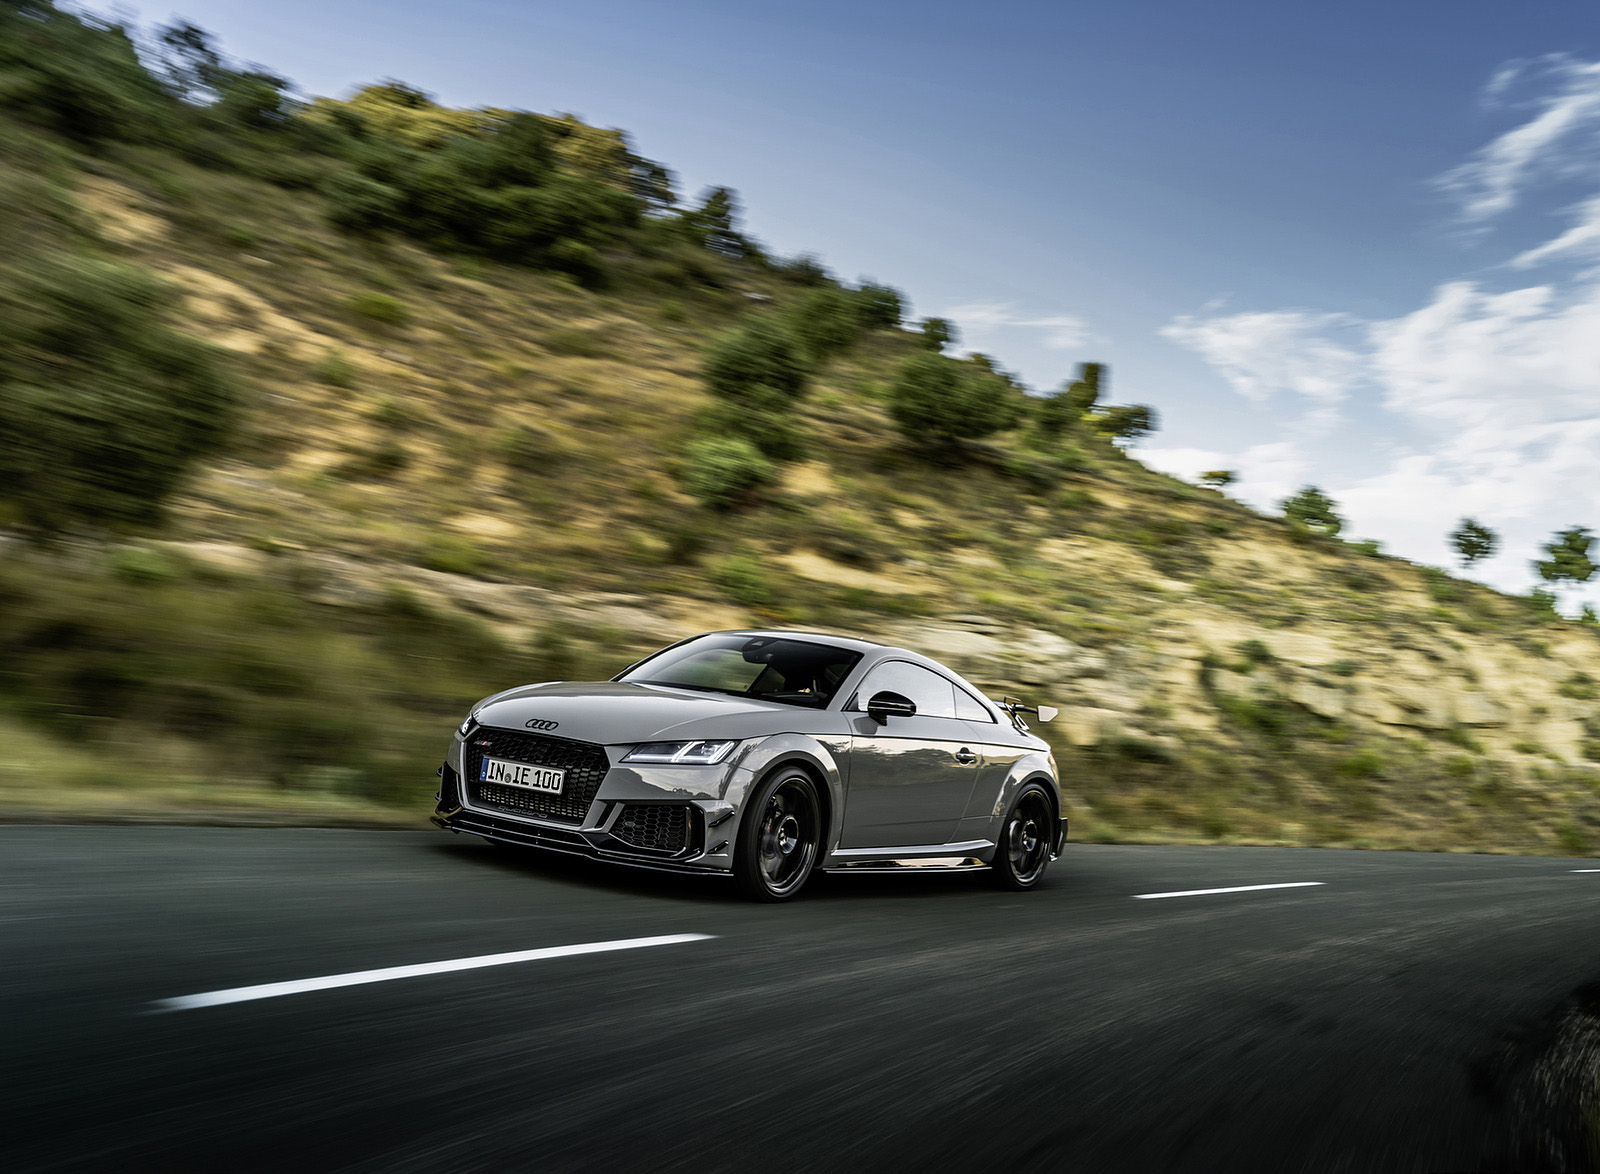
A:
764,755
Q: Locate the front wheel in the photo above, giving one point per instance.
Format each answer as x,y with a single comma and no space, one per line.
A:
779,838
1024,849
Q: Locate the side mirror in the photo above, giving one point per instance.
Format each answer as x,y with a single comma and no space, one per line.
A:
885,705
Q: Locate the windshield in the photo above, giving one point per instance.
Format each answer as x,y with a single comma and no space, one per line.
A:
770,668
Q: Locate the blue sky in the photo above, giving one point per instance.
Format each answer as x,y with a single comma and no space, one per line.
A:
1356,245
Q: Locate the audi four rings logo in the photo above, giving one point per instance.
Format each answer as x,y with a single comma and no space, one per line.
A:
539,723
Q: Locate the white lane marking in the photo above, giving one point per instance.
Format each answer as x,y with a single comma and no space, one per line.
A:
271,990
1235,889
1586,870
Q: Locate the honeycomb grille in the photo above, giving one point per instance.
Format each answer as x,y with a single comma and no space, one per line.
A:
585,763
653,827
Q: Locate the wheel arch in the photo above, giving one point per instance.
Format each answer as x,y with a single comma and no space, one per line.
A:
801,752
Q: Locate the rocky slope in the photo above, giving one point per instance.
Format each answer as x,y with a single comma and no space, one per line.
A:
437,436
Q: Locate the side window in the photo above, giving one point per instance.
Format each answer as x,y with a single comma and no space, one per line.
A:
969,708
932,694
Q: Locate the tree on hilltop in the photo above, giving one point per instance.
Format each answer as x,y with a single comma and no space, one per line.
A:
1568,560
1218,478
937,333
1473,541
1128,422
879,306
1314,510
1084,391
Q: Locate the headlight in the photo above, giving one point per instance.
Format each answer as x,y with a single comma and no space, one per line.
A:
681,753
467,723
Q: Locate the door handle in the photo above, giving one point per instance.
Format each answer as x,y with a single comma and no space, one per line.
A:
966,757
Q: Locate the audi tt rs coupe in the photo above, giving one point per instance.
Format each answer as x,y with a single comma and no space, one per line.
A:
765,756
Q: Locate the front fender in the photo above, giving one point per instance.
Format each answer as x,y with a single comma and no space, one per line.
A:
820,756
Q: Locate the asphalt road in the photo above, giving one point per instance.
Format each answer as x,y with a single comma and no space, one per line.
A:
1387,1019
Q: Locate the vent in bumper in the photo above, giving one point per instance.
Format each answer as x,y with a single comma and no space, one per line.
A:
585,763
653,827
449,788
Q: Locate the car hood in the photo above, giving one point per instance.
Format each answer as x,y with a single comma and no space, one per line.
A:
614,712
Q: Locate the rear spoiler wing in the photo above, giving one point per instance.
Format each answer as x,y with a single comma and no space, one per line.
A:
1015,708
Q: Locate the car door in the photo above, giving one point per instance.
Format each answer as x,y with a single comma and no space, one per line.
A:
996,744
910,777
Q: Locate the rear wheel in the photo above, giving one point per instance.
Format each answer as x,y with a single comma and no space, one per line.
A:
1024,849
779,838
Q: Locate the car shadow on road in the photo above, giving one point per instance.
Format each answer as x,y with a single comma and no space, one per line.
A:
562,868
904,884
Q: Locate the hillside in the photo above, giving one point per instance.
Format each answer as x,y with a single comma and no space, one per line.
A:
451,471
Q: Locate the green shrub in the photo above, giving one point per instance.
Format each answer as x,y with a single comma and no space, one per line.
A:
361,205
1039,475
1343,668
454,554
1579,686
1441,587
1542,604
238,236
389,412
552,657
1370,547
745,580
1271,716
685,544
384,459
103,406
1461,766
1255,652
1571,839
531,448
378,307
725,471
825,320
336,370
773,432
848,538
1363,764
937,402
144,564
759,365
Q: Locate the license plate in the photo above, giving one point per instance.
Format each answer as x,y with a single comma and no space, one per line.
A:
521,774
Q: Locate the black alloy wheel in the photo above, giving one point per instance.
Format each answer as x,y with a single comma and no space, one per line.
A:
1024,849
779,838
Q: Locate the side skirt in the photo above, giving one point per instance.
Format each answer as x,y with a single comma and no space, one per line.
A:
963,857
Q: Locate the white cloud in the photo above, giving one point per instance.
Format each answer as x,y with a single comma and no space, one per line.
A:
980,320
1557,137
1268,353
1581,240
1505,386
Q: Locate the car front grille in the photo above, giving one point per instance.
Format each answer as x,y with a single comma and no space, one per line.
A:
654,827
585,763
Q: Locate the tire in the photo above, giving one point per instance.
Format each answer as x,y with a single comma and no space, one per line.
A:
780,838
1024,849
